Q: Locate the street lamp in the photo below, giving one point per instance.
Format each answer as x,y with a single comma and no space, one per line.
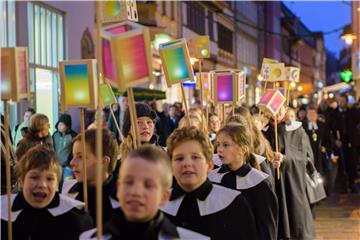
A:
348,36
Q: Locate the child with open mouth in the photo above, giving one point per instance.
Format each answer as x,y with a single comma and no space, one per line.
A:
38,211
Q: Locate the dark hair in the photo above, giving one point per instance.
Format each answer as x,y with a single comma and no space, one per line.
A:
110,146
154,154
29,109
38,157
142,110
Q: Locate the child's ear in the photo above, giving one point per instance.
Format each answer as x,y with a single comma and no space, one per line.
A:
165,197
210,165
106,161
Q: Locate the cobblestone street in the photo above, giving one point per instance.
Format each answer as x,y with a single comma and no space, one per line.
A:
338,218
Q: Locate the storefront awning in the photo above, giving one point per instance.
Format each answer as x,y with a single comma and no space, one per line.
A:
142,94
336,87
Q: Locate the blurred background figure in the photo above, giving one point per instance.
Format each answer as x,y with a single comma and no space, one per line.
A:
20,130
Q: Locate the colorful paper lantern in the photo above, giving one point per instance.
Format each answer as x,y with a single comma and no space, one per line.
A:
175,60
78,80
207,84
292,74
228,86
126,55
272,100
113,11
107,96
273,72
14,73
199,46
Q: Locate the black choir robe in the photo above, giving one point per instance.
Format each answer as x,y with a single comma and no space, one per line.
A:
212,210
118,228
62,219
74,189
256,187
295,218
265,166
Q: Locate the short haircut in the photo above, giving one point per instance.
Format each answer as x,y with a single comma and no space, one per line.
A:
191,133
156,155
109,143
311,107
38,157
37,122
29,109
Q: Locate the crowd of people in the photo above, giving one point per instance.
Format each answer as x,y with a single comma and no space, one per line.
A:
221,176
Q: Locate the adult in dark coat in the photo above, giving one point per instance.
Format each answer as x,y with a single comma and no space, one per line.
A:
318,137
295,218
346,129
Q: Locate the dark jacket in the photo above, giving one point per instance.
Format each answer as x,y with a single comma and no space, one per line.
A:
62,219
63,142
212,210
118,228
74,189
256,187
29,141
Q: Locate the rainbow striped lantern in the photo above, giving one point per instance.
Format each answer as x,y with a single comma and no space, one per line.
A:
175,59
126,55
78,81
292,74
228,86
14,73
113,11
272,100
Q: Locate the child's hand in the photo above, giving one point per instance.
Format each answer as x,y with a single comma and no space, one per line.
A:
277,160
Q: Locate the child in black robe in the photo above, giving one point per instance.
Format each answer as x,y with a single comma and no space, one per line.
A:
74,188
197,204
144,185
234,145
38,211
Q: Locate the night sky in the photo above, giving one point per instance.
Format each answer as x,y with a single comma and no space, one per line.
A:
324,16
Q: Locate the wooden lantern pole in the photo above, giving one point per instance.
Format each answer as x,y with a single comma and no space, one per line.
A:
133,118
185,105
277,145
82,134
99,129
113,115
7,166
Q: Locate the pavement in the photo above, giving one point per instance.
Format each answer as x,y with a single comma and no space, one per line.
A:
338,217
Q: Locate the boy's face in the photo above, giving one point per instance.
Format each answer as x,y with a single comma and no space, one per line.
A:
140,189
62,127
39,187
146,128
189,165
77,163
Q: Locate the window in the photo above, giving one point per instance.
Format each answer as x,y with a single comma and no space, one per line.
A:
163,8
8,39
225,38
211,26
7,24
195,17
172,10
46,49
